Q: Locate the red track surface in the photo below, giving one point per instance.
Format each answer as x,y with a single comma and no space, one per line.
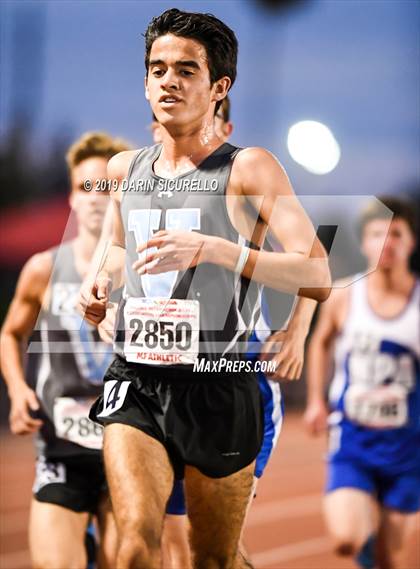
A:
285,529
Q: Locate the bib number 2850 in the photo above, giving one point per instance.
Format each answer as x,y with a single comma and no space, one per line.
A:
164,334
161,331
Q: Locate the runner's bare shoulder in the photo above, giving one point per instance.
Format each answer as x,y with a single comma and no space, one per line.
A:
253,163
39,266
35,276
118,168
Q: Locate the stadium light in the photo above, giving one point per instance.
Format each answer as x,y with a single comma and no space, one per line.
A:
312,145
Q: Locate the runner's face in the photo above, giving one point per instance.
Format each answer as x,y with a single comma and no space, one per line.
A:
90,207
178,83
393,247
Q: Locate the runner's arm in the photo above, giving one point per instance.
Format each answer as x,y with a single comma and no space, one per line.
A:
97,261
287,347
113,266
303,266
93,300
303,314
18,326
319,360
101,250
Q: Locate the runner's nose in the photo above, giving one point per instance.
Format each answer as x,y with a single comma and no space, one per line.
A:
170,81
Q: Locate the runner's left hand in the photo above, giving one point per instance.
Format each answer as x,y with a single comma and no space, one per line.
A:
286,348
176,251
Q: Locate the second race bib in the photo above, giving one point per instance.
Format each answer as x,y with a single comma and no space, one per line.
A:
161,331
382,407
72,423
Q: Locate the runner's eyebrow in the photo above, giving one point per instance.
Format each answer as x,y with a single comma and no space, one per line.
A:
184,63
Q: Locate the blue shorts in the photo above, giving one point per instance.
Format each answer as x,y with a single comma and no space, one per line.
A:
176,503
273,419
401,493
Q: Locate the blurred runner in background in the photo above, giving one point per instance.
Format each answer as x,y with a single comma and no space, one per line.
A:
64,377
373,329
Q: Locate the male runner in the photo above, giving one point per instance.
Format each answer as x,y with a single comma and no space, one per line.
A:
175,547
285,347
70,478
206,426
373,325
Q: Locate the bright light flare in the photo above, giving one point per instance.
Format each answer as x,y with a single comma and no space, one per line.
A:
312,145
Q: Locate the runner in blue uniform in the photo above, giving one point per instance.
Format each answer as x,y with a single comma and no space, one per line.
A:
373,327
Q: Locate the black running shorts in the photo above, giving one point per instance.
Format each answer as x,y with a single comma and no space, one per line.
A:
211,421
74,482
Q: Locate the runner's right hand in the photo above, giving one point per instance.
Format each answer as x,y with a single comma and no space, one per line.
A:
315,417
106,327
93,301
23,400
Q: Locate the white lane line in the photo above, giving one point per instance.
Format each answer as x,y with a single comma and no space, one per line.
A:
284,509
291,551
15,560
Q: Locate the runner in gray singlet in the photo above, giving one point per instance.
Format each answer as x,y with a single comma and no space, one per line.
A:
154,404
64,372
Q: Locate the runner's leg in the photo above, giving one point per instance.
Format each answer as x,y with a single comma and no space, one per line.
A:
175,546
350,518
108,537
394,530
216,508
57,536
140,479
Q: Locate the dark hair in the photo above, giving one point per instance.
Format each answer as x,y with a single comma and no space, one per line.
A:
218,39
224,109
401,208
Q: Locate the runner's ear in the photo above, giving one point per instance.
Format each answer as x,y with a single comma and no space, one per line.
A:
222,87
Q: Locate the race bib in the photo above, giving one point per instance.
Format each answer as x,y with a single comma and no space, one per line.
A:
161,331
382,407
72,422
64,298
48,473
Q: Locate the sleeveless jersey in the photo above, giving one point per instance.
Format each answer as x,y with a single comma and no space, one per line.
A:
68,370
375,393
176,317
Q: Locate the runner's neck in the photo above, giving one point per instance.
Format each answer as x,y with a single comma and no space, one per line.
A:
396,280
84,247
183,152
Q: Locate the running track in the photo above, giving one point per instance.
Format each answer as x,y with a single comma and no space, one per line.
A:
284,531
